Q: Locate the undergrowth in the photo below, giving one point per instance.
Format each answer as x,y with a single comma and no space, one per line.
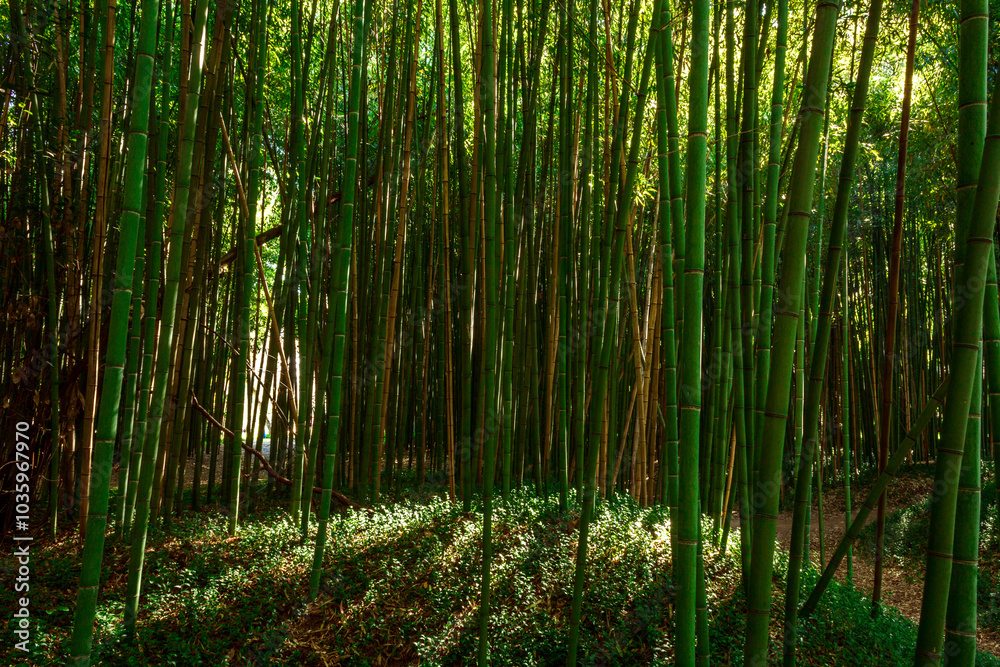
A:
905,544
401,587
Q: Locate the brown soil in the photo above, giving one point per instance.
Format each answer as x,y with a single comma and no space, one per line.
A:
902,587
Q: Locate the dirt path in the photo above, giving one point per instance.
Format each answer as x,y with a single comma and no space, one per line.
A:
902,587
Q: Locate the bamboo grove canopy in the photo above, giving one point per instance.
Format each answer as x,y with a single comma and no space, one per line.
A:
706,254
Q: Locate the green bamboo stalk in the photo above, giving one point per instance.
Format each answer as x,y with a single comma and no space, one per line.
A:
465,264
445,185
845,411
153,283
766,493
132,357
562,276
763,349
254,187
297,240
991,353
107,10
319,259
52,310
961,615
744,178
734,302
487,100
107,423
165,342
612,259
510,256
52,332
337,312
718,270
691,335
818,354
677,234
668,455
966,335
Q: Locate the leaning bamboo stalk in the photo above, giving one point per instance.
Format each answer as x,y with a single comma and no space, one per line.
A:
786,328
886,476
819,352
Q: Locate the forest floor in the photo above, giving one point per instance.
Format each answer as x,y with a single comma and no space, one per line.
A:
401,587
902,578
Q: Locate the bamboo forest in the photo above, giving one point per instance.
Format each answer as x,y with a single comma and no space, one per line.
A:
500,332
